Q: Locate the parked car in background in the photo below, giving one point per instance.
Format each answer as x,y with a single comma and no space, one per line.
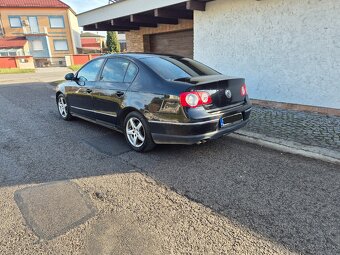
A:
155,99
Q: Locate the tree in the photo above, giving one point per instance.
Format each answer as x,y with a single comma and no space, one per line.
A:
112,42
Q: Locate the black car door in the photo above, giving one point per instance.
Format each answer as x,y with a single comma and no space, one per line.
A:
110,91
79,96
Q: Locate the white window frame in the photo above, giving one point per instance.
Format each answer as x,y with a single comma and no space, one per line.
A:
17,18
38,47
61,22
58,41
1,28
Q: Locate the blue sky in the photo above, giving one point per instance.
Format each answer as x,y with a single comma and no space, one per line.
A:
84,5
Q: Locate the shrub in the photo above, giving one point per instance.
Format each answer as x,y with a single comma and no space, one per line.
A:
15,70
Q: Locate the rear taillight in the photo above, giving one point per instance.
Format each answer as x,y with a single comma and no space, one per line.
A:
195,99
244,90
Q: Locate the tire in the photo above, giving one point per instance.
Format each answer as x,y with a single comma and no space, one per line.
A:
63,108
136,128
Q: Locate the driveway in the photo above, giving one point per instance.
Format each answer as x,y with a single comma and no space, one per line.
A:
222,197
49,74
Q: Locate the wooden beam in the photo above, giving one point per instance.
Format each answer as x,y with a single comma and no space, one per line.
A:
173,13
119,22
144,23
118,25
151,19
108,28
195,5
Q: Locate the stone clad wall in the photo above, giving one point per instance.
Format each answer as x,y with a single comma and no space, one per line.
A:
137,40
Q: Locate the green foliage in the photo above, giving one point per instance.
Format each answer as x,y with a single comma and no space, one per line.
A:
112,42
15,70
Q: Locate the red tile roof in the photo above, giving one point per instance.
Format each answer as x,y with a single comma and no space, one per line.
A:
33,3
12,42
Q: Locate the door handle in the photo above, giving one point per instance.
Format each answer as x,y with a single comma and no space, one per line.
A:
89,90
120,93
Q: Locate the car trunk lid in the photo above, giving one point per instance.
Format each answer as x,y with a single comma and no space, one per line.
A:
224,90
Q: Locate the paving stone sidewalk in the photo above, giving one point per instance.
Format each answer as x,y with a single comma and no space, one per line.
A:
310,129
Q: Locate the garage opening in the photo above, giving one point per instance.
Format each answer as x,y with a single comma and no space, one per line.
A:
177,43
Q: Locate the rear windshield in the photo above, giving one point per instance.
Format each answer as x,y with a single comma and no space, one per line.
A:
172,68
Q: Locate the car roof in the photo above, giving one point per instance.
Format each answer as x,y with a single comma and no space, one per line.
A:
140,55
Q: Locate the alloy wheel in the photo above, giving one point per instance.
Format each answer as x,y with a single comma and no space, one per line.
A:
62,105
135,132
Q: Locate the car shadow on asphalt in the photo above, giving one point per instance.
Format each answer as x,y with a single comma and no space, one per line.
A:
291,200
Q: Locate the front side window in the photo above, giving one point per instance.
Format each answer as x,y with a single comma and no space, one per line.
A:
57,22
90,71
37,45
115,70
15,22
60,45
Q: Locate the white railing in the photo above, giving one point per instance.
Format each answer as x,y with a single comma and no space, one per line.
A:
28,30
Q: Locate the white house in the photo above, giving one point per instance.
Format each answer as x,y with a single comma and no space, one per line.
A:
288,50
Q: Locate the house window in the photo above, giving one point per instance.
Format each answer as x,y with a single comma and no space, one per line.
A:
60,45
57,22
37,45
15,21
1,29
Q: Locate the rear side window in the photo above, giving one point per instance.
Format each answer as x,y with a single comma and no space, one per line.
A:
131,73
115,70
90,71
173,68
165,68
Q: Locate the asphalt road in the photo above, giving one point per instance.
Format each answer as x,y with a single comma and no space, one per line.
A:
289,200
50,74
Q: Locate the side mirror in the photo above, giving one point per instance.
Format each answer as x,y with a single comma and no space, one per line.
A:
69,77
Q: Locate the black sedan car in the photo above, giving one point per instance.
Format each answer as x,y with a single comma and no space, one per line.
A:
155,99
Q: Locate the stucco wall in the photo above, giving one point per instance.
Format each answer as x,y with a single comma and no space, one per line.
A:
75,32
288,50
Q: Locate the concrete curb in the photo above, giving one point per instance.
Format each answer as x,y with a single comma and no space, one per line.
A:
288,146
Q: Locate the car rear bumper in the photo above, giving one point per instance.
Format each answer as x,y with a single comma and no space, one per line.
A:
192,133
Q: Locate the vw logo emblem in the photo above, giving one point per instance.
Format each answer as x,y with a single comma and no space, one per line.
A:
228,93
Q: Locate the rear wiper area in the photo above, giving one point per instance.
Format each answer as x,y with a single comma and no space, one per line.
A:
185,79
